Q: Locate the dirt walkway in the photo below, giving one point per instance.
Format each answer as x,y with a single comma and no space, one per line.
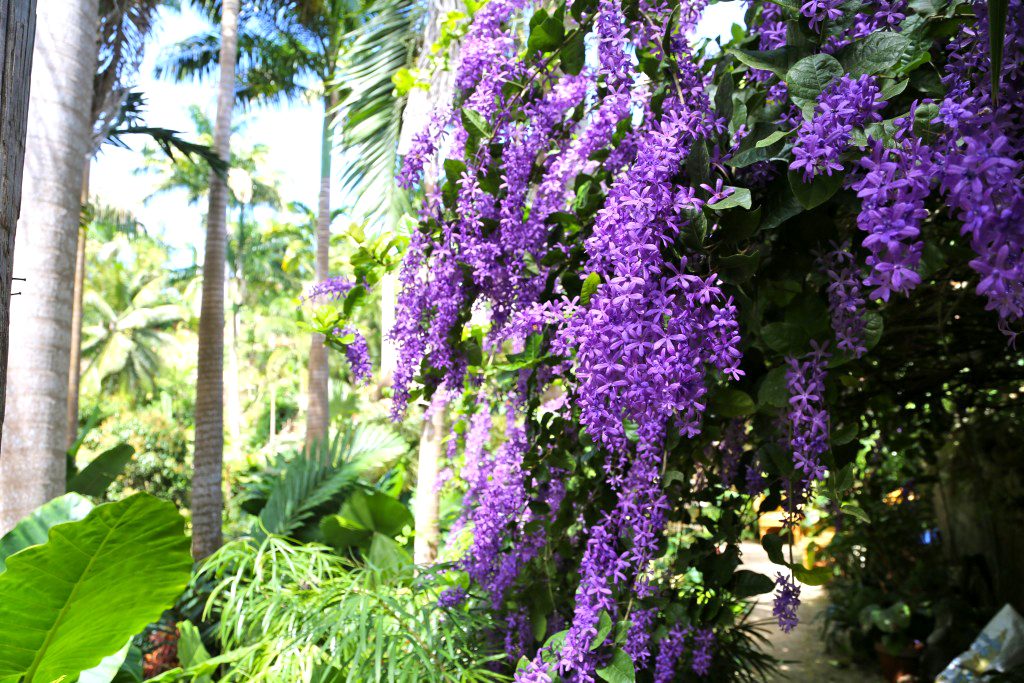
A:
801,651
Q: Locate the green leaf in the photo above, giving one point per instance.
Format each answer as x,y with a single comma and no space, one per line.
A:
856,512
475,123
353,299
619,670
810,76
574,53
739,197
364,514
997,10
774,137
69,603
785,338
873,54
107,669
191,651
731,403
102,471
818,191
777,61
546,32
773,391
590,286
746,584
818,576
772,544
34,529
604,627
894,89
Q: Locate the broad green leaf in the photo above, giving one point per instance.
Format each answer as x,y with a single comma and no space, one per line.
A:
475,123
731,403
772,544
590,286
69,603
619,670
856,512
739,197
191,651
546,32
873,54
102,471
816,192
746,584
34,529
810,76
107,669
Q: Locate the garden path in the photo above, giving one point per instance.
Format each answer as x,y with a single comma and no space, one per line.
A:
801,651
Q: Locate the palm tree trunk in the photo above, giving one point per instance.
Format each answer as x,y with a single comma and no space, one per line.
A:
231,382
75,371
207,491
32,459
17,33
318,408
426,504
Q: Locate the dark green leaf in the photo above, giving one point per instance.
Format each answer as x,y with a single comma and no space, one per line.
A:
731,403
997,10
773,391
772,544
573,54
776,61
102,471
873,54
619,670
810,76
604,627
739,197
785,338
816,192
774,137
746,584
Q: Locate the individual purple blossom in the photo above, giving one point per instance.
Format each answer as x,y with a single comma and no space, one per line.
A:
845,299
807,417
786,602
846,104
820,11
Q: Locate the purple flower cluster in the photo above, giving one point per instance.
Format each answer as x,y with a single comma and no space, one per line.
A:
423,149
786,602
670,651
357,353
845,300
892,192
731,448
820,11
807,417
703,646
638,637
981,159
331,289
846,104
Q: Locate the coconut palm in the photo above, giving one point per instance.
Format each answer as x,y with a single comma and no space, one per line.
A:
343,53
128,321
208,461
32,460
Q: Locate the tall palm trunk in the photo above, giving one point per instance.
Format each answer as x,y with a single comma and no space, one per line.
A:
17,33
232,398
32,461
318,408
207,492
75,371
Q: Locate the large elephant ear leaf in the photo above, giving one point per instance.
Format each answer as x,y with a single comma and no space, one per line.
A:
33,530
67,604
102,471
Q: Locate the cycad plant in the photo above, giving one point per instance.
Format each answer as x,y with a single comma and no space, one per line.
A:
343,53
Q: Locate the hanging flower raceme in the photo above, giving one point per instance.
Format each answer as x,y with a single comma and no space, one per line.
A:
807,417
845,301
786,602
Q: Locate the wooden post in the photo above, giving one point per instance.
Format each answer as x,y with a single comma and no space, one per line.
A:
17,35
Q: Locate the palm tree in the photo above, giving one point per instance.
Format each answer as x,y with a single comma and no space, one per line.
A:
17,36
32,460
207,492
301,48
128,324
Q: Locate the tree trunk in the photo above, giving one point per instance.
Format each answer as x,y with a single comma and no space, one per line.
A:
318,407
432,433
232,399
75,371
425,507
207,491
17,32
32,461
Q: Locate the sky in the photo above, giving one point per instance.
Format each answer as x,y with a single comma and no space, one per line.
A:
291,133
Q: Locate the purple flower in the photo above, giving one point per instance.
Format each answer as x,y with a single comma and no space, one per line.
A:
786,602
845,301
670,650
703,644
807,417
